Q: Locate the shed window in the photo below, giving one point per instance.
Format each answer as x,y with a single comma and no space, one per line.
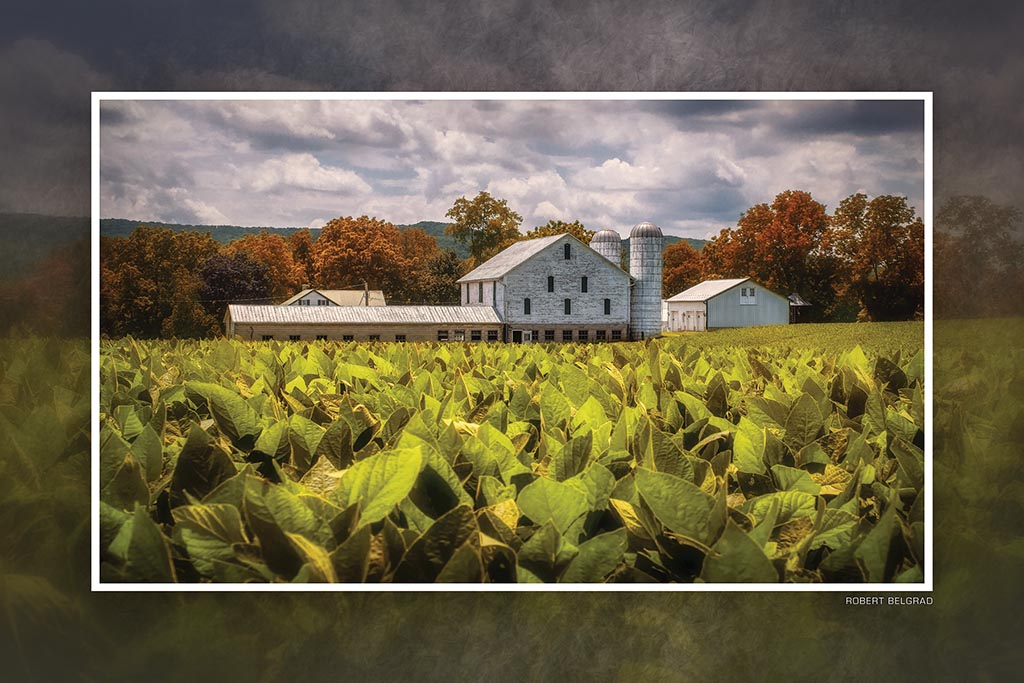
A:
551,283
294,337
374,337
567,251
268,337
526,306
747,296
442,335
607,306
321,337
347,337
399,337
566,335
583,284
479,292
474,335
568,306
460,335
492,335
549,335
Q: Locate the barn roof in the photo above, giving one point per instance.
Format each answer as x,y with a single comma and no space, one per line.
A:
508,258
797,300
343,297
707,289
368,315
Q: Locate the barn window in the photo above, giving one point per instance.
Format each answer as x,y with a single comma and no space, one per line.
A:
321,337
601,335
374,337
494,293
460,335
568,306
551,283
294,337
479,292
526,306
347,337
566,335
442,335
607,306
474,335
268,337
492,335
322,302
582,335
399,337
616,335
583,284
549,335
567,251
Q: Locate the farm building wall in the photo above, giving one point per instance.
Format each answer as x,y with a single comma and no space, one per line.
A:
685,316
529,280
730,308
363,332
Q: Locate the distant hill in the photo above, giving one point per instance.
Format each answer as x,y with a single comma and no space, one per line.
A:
120,227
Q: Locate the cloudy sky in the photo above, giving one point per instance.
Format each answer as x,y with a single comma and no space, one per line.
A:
690,166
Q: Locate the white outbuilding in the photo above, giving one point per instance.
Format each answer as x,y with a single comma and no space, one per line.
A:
737,302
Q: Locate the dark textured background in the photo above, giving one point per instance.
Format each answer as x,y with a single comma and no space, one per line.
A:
52,54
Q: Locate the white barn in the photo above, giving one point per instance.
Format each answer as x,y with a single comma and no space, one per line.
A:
552,289
738,302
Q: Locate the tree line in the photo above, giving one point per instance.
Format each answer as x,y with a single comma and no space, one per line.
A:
864,261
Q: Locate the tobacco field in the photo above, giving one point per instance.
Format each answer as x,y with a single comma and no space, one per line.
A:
791,455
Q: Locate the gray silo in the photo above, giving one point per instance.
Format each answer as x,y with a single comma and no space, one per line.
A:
607,243
645,243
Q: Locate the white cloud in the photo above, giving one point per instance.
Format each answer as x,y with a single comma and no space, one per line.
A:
304,172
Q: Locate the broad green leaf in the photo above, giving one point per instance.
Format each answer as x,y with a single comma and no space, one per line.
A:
597,558
379,482
791,505
792,479
804,422
208,533
201,466
548,500
736,558
679,505
234,417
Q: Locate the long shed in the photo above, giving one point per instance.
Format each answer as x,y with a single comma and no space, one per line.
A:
363,323
737,302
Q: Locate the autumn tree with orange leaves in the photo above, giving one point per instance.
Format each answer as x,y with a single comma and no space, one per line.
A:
350,251
274,252
786,246
681,268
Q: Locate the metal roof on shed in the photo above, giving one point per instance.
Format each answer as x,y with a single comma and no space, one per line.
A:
507,259
368,315
707,289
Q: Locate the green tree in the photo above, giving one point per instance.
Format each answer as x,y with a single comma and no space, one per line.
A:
484,224
553,228
881,245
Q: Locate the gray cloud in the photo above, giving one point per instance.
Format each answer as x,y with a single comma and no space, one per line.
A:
693,169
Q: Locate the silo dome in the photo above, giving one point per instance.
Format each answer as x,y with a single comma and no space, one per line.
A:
607,243
645,229
645,244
